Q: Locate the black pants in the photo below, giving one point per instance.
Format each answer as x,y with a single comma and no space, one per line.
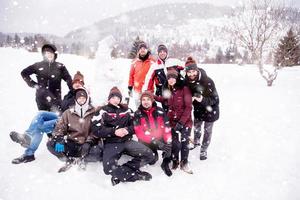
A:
180,144
47,101
112,152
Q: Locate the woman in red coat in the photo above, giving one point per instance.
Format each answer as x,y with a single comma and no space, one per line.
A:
178,98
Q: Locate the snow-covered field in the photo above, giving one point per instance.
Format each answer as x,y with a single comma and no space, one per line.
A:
254,152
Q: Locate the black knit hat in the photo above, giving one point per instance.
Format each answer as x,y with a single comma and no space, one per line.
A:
162,47
114,92
80,93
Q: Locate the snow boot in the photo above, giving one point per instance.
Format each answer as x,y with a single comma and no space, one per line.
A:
175,164
165,167
184,166
23,139
143,176
203,154
114,181
23,159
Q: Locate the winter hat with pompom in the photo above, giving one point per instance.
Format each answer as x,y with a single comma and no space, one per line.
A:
190,64
78,77
114,92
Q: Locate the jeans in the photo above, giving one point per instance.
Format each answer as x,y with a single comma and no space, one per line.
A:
43,122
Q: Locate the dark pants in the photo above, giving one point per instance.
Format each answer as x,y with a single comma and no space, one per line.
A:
180,144
207,133
47,101
141,154
73,149
154,149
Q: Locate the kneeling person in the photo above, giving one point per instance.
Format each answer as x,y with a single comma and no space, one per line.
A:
152,128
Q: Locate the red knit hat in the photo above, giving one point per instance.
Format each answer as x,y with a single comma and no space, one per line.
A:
190,64
78,77
147,94
115,92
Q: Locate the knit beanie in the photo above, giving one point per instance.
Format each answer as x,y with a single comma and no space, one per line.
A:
190,64
162,47
80,93
78,77
142,44
114,92
147,94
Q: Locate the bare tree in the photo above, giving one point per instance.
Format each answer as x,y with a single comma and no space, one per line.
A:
256,26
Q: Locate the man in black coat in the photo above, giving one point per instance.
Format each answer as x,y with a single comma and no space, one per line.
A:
114,124
49,75
205,102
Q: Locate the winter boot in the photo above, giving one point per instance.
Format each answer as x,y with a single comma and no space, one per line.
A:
184,166
203,154
23,139
143,176
114,181
155,158
23,159
175,164
165,167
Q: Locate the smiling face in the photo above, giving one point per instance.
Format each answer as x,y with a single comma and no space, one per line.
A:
114,100
49,56
192,74
81,100
146,102
171,81
143,51
162,55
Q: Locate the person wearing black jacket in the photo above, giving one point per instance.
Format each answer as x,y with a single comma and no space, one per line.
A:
49,75
205,102
114,124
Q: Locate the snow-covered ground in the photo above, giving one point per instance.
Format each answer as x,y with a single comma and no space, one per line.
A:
254,152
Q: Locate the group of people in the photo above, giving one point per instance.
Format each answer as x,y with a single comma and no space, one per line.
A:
165,100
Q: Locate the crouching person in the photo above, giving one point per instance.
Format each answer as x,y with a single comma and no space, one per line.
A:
114,123
72,130
152,128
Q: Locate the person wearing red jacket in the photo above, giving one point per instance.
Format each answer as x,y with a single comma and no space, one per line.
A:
152,128
179,102
140,74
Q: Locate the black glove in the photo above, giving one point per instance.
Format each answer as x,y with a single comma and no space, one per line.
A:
130,91
85,149
178,127
167,149
158,143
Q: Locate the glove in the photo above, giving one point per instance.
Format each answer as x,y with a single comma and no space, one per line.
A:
178,127
59,147
85,149
130,91
158,143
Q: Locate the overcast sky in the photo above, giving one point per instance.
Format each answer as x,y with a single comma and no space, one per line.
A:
61,16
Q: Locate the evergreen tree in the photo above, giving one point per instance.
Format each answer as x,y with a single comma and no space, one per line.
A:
133,51
288,51
219,56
